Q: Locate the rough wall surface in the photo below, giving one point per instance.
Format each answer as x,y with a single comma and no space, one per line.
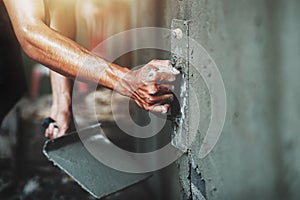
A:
256,46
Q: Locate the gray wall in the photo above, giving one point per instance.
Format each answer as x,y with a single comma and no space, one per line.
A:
256,45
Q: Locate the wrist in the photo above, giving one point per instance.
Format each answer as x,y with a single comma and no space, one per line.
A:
117,78
126,83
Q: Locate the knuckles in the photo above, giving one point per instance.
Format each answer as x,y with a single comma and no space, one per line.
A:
149,82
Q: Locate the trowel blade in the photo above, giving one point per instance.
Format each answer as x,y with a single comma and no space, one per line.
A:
70,155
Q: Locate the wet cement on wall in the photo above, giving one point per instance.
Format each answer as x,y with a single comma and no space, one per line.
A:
256,47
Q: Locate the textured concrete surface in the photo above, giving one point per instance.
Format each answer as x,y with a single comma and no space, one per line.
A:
256,46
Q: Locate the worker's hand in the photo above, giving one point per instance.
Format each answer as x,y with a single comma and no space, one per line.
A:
61,115
150,87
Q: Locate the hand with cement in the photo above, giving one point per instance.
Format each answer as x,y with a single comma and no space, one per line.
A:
150,86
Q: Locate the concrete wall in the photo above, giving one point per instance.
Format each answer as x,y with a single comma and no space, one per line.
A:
256,46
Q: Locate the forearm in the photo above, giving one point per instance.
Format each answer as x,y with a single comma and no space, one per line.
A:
61,92
66,57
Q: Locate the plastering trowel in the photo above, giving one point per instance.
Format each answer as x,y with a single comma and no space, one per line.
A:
70,155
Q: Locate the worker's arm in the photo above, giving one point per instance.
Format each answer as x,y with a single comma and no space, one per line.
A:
64,23
61,54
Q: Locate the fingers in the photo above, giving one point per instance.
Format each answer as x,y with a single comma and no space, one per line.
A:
161,71
154,88
55,131
160,108
52,130
166,98
164,66
154,103
153,94
164,88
